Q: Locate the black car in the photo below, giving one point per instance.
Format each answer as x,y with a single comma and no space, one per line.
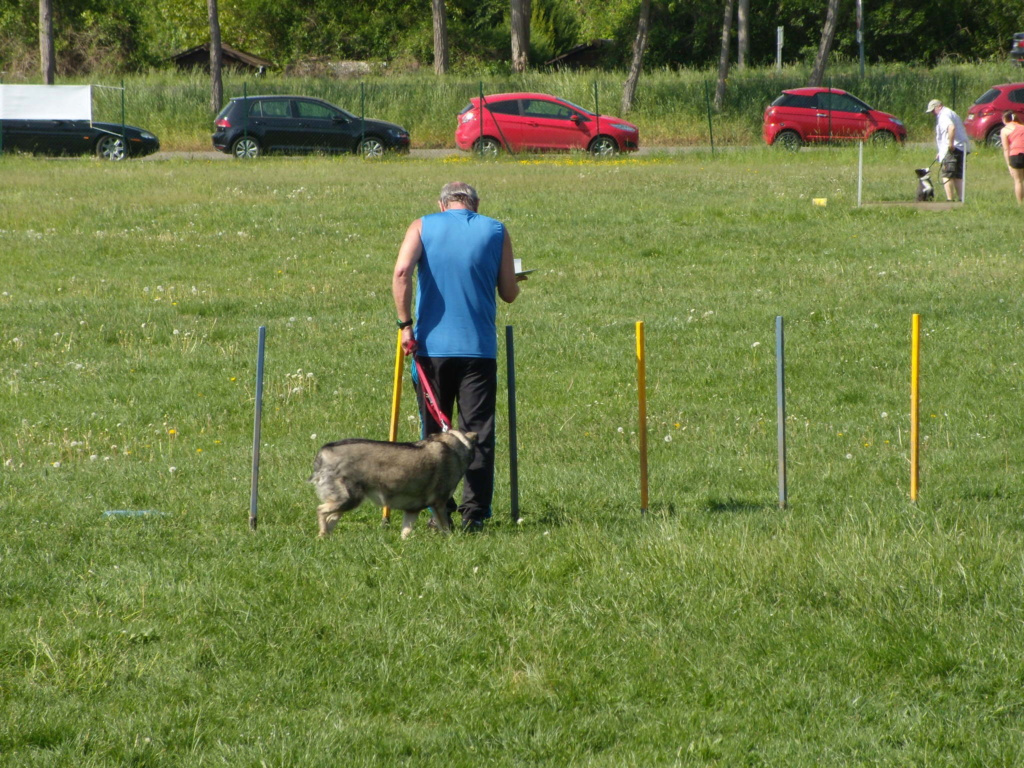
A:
109,141
253,125
1017,49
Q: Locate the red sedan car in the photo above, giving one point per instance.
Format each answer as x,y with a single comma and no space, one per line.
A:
806,115
985,117
538,121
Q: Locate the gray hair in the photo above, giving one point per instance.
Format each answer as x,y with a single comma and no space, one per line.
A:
459,192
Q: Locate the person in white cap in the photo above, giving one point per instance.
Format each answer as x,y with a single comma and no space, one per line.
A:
951,142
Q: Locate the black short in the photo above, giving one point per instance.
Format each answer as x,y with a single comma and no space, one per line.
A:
1017,161
953,164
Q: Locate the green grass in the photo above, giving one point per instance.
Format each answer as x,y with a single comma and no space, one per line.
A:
852,628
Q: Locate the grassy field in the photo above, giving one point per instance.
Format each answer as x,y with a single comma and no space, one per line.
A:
852,628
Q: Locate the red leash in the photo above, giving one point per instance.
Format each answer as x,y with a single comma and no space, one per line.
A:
429,399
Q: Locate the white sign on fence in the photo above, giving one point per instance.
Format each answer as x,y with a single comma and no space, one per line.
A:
46,102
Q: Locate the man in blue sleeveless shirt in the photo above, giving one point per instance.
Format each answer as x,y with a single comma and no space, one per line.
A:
460,258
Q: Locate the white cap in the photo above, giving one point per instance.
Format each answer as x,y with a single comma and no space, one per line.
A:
933,104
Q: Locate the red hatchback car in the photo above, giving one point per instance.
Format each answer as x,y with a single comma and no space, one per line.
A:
537,121
985,117
804,115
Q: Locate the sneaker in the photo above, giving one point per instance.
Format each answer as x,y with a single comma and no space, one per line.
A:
472,526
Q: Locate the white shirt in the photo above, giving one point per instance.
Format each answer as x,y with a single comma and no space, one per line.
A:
946,119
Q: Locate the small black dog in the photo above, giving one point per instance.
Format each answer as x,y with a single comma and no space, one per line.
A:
925,188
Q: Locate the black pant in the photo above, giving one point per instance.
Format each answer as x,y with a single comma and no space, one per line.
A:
472,383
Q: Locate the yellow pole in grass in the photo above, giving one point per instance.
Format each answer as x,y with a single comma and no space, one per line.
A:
396,398
641,378
915,362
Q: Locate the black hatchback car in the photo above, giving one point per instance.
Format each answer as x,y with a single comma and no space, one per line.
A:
1017,49
253,125
108,141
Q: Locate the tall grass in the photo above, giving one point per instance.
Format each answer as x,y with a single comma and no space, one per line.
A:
852,628
671,106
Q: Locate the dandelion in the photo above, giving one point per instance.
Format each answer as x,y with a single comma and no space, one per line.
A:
849,455
56,465
172,432
621,430
885,415
755,345
172,470
668,438
313,436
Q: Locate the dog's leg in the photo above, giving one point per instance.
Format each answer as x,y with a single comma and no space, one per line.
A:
442,516
330,512
408,521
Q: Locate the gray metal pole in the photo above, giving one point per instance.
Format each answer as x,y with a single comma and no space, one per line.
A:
780,387
257,428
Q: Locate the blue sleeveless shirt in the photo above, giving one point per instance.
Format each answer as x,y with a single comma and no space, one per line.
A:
457,276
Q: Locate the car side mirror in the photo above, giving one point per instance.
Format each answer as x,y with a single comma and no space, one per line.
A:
576,119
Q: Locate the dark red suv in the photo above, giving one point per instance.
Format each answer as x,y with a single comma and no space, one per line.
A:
804,115
985,117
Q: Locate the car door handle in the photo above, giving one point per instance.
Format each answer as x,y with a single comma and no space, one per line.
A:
823,114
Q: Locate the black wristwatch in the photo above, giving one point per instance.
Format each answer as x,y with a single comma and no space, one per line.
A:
406,324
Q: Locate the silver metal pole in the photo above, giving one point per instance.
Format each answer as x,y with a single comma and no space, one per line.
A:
257,428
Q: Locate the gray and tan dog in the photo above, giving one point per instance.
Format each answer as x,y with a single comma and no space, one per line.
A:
405,476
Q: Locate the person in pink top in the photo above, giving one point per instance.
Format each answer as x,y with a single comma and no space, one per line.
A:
1012,135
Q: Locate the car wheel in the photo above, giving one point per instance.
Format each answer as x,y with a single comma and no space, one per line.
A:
246,148
883,139
111,148
487,147
604,146
789,140
371,148
994,138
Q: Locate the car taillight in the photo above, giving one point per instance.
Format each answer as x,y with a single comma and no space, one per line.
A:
223,123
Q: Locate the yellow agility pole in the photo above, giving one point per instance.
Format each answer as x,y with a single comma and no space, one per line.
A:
641,378
915,363
396,398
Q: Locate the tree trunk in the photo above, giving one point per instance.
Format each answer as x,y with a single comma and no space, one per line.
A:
827,36
723,59
742,33
520,35
440,37
639,46
216,58
47,65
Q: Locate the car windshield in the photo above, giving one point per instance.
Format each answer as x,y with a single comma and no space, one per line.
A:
578,108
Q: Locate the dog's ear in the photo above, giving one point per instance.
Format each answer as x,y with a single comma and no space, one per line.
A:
472,437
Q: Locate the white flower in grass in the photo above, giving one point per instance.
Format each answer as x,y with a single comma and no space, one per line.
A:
621,430
885,415
313,436
849,455
172,470
668,438
56,465
755,345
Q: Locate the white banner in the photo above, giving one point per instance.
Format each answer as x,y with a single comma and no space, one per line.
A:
46,102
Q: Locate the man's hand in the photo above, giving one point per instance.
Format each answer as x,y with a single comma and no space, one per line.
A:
409,345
